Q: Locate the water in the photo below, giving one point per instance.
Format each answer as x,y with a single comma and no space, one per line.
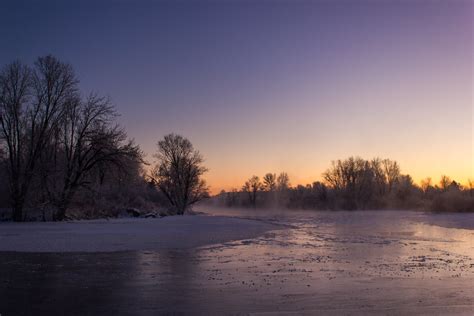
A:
387,262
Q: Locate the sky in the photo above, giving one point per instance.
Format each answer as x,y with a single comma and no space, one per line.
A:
270,86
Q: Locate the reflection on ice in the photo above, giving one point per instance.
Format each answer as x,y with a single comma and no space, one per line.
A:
321,262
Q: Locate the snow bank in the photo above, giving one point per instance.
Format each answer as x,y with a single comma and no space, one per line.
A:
127,234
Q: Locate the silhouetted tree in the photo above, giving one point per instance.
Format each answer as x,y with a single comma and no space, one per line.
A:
178,173
379,176
282,189
53,141
89,142
444,183
392,173
360,183
356,183
252,187
269,182
350,178
32,102
283,181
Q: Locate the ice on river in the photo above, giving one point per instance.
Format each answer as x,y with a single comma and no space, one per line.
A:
340,263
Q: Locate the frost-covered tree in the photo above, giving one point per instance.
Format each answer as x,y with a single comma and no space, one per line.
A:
178,173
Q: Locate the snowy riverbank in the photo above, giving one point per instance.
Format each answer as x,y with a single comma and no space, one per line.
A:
127,234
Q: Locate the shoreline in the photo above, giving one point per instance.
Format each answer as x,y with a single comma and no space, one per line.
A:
130,234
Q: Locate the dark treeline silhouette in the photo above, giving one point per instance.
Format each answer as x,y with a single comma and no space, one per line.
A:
62,151
353,184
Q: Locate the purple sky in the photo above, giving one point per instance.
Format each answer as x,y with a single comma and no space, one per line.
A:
263,86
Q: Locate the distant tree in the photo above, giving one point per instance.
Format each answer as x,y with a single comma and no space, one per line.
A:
320,196
404,187
454,186
427,188
283,181
283,185
379,176
361,183
444,183
269,182
353,179
356,183
252,187
426,184
392,173
178,173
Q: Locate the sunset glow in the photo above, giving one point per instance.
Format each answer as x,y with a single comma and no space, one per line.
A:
266,88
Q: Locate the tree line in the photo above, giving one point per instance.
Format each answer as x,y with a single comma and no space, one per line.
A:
353,184
59,149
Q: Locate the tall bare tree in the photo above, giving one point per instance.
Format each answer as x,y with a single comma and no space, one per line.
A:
32,102
87,141
15,89
178,173
52,138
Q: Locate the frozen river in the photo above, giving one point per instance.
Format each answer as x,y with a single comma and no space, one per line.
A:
367,262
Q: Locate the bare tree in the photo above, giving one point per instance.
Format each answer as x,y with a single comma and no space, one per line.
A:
52,138
444,183
392,173
87,140
178,173
343,177
252,186
269,182
354,180
31,107
14,94
283,181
